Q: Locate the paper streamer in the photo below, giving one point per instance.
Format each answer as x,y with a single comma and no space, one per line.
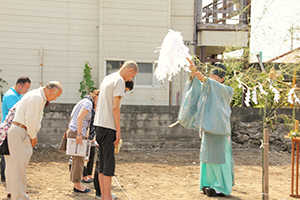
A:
172,56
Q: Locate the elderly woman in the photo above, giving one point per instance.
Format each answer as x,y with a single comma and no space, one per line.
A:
81,117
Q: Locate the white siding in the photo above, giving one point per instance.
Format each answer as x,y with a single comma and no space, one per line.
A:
182,20
70,32
132,30
65,31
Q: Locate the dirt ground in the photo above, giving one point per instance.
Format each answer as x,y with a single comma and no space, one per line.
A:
159,174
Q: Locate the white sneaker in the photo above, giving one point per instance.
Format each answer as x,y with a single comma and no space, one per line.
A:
112,194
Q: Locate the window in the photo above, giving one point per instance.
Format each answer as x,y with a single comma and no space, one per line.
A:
145,76
113,66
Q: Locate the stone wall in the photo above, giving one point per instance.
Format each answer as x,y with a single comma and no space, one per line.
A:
148,126
249,135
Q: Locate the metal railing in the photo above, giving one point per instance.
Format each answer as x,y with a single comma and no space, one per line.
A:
225,12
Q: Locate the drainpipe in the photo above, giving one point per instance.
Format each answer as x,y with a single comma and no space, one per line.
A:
41,68
98,51
197,20
100,45
170,83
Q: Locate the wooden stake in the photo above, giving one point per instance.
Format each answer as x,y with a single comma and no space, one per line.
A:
293,158
295,140
294,82
266,164
297,167
296,125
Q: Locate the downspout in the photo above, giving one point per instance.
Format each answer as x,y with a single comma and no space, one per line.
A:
100,46
170,84
197,20
97,28
41,68
195,25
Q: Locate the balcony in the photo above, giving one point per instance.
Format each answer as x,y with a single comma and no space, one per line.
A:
220,24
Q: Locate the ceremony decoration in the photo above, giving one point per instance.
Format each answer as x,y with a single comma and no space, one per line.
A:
172,56
292,97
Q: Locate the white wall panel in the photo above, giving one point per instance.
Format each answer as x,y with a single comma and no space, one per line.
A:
182,20
65,31
133,30
70,32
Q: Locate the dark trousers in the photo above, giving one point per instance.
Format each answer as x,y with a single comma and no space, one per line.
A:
96,176
88,170
2,168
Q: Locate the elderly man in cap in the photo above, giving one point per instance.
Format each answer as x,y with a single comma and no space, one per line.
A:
23,132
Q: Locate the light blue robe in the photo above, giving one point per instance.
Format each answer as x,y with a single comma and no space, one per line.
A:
205,108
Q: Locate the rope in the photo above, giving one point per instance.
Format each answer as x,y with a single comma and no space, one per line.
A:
263,144
271,76
121,188
140,149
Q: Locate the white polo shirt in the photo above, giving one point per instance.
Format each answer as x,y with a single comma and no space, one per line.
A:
112,86
30,111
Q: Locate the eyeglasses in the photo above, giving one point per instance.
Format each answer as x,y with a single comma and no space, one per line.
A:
54,92
25,88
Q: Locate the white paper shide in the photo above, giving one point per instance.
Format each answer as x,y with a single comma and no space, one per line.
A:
172,56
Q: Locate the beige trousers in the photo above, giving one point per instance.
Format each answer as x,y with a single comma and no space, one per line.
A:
77,161
20,152
8,173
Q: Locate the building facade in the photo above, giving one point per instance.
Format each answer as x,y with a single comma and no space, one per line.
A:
52,39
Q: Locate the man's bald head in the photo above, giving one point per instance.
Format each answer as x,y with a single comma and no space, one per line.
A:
131,65
129,70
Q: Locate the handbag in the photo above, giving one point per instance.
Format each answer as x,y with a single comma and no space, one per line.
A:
63,143
4,148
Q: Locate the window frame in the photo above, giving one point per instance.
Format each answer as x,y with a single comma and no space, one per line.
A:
158,86
136,85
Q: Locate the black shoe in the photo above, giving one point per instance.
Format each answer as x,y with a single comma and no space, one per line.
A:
87,181
85,191
220,194
204,190
210,192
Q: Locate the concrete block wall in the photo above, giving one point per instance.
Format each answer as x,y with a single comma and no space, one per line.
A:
151,123
140,124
